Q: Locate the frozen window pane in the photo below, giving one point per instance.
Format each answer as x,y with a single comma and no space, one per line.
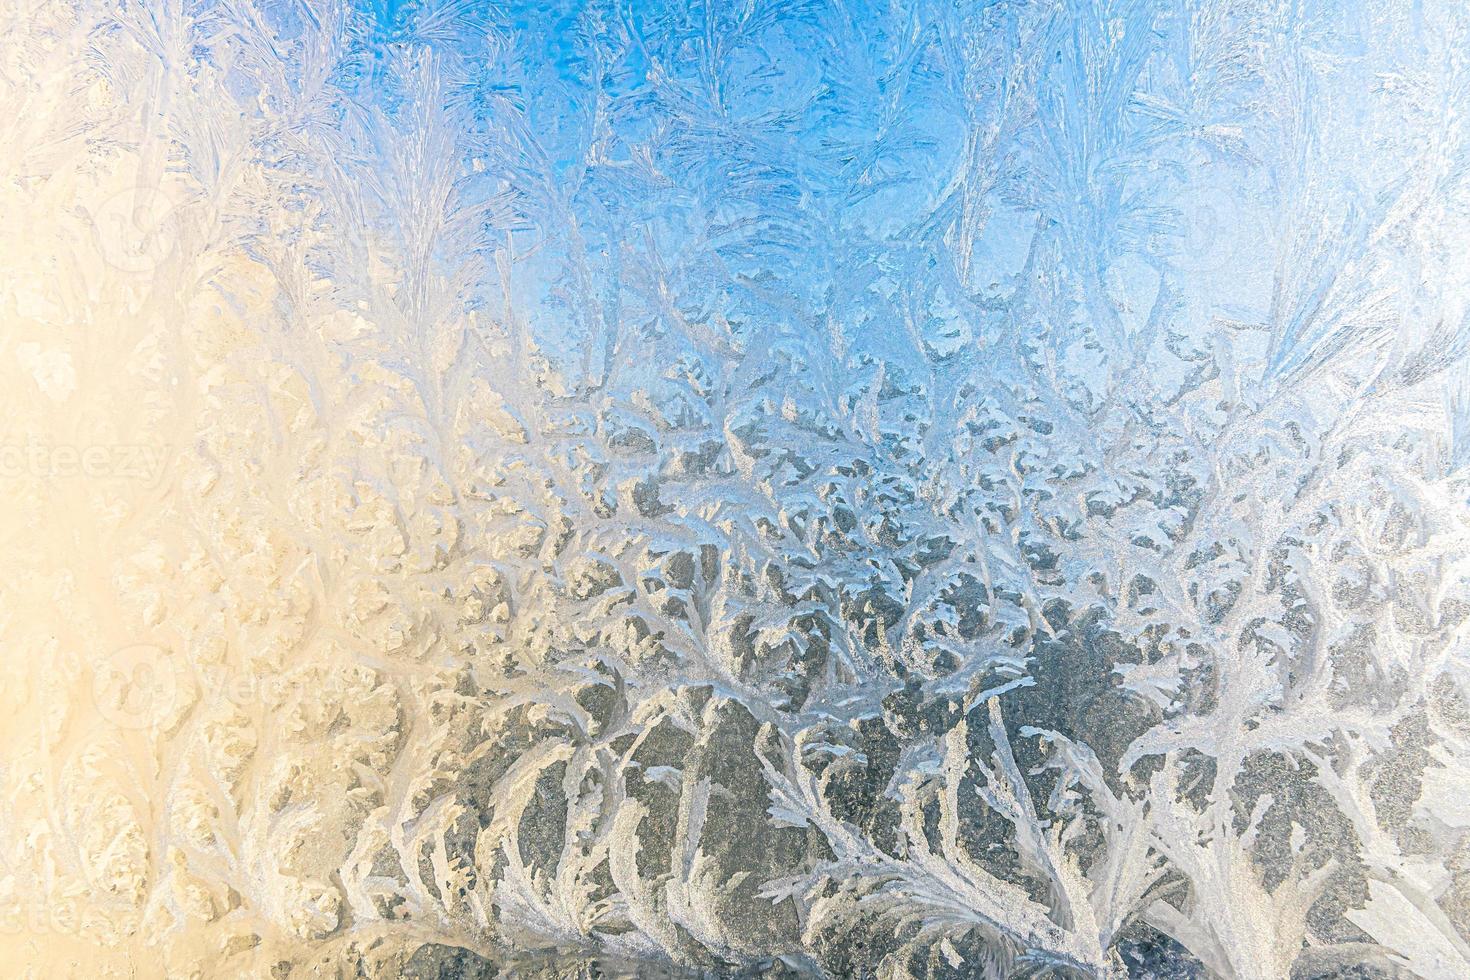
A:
781,488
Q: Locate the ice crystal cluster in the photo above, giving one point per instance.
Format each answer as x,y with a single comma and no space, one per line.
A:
735,488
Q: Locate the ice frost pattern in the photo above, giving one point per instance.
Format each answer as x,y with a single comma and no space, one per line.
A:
805,488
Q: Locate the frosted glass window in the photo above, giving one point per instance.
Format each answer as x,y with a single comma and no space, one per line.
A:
735,488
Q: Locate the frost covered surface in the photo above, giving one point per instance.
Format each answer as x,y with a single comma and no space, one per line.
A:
783,488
